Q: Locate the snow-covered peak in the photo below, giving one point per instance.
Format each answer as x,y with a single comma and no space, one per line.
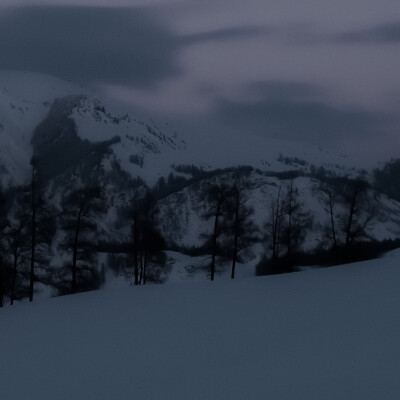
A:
146,148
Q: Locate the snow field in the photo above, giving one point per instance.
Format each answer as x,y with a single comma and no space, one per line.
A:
321,334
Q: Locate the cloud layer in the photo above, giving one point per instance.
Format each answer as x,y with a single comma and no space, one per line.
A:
226,34
388,33
297,111
89,44
325,73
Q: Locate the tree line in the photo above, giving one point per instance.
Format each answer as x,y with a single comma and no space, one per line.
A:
57,246
284,231
29,225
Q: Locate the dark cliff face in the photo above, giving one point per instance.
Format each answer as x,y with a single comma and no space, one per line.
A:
57,128
58,148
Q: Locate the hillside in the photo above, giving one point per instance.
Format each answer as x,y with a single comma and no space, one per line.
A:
80,140
328,334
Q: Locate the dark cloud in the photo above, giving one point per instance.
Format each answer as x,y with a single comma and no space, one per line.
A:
226,34
127,46
297,111
89,44
287,90
388,33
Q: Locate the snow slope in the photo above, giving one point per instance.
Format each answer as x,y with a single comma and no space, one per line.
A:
323,334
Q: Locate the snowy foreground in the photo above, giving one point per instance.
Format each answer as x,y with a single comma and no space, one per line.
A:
321,334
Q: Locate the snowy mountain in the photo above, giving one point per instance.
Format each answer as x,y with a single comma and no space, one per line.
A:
328,334
79,138
145,148
34,109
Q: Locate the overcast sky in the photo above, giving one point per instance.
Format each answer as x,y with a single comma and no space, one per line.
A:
322,72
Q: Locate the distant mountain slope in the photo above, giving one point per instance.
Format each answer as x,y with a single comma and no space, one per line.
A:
27,103
146,148
24,102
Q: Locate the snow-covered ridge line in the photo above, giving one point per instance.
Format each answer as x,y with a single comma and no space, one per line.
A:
147,148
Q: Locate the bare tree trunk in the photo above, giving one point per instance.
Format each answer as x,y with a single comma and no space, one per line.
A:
214,239
236,233
333,230
77,229
289,231
14,277
1,292
141,266
275,228
349,224
33,236
135,248
145,246
1,286
145,265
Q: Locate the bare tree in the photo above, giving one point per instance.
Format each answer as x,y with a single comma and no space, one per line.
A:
41,229
274,226
286,228
216,197
33,229
297,221
350,211
17,238
290,207
330,230
357,215
148,243
80,210
3,262
15,241
136,246
242,227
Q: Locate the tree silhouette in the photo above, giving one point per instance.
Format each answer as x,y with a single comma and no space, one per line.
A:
330,232
217,196
357,215
148,243
273,226
80,210
239,223
3,262
41,229
15,243
285,230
